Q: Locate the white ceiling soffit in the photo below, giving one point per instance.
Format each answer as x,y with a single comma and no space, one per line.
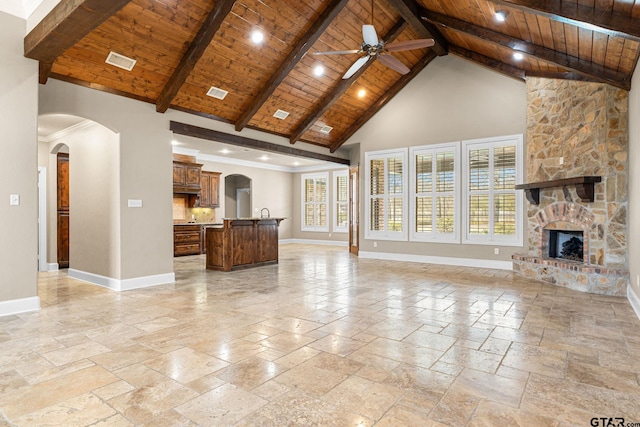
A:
20,8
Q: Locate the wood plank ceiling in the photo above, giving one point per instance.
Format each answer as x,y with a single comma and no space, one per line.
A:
184,47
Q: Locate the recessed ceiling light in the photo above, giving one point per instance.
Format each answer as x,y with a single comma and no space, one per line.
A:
174,142
362,93
257,37
225,151
264,158
500,15
296,163
318,70
518,56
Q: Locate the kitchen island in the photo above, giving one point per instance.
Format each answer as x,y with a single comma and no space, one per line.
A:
242,243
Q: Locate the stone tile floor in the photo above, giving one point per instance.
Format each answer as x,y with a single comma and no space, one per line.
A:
322,339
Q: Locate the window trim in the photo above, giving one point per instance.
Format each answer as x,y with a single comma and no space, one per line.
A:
385,234
491,238
334,201
314,176
434,236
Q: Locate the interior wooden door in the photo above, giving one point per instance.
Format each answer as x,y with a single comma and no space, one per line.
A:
63,209
354,215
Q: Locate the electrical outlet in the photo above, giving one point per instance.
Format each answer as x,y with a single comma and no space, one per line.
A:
561,161
329,234
134,203
496,251
375,244
14,200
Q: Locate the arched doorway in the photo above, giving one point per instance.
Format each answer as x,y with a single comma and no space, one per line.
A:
82,199
238,199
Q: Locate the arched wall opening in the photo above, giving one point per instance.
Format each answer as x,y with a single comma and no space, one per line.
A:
238,197
93,193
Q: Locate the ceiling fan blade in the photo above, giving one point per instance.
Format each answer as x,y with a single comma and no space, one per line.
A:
338,52
355,67
369,35
393,63
408,45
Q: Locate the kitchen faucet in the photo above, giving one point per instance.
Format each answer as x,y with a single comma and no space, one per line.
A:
262,213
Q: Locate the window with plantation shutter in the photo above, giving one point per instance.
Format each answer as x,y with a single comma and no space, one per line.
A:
386,189
435,171
493,206
314,202
341,201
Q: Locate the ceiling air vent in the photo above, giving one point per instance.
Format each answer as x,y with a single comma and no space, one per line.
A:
280,114
120,61
217,93
326,129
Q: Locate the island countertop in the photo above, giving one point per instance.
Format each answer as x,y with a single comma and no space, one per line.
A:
242,243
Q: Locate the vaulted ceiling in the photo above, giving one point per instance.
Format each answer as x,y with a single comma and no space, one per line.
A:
183,48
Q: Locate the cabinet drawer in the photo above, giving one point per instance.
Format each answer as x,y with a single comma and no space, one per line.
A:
187,237
186,249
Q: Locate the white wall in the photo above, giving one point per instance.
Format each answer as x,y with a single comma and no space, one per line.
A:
450,100
18,174
634,191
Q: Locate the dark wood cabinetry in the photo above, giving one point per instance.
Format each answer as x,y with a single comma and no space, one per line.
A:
242,243
210,196
63,209
186,177
187,239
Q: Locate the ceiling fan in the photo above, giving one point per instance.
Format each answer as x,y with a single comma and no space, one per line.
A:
375,48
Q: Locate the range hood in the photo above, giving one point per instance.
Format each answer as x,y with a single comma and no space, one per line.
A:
181,189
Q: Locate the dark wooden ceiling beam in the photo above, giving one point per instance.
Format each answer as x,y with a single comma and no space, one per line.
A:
241,141
196,49
595,19
63,27
410,12
590,70
494,64
384,99
562,76
297,53
341,88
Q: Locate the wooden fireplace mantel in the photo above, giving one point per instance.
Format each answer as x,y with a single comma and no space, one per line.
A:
584,186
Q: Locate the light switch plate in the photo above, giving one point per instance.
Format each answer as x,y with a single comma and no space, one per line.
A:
14,200
134,203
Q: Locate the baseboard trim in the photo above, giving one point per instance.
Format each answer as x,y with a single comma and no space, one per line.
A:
21,305
125,284
53,266
634,300
426,259
313,242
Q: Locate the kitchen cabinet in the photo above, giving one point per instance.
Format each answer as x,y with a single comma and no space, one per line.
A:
186,177
210,194
187,239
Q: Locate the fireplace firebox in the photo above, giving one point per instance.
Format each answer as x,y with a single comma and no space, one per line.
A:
566,244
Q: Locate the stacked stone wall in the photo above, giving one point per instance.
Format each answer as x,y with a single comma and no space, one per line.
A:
578,129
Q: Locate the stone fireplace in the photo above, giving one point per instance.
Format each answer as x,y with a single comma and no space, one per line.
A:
576,130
